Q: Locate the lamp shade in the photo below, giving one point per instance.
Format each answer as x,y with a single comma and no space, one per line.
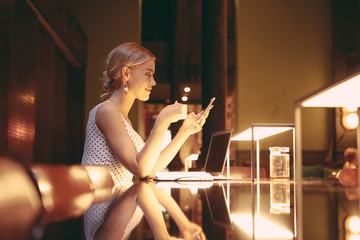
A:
260,132
341,94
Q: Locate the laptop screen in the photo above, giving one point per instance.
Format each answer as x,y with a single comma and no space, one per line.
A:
218,148
219,209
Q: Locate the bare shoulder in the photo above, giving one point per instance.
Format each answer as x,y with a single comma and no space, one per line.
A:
106,108
107,115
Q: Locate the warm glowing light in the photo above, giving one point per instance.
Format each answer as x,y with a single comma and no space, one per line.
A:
20,203
193,190
187,89
192,157
95,176
279,197
352,121
343,93
82,202
352,224
184,98
77,173
189,159
46,195
351,108
353,237
259,133
264,229
21,129
102,183
352,228
28,98
189,185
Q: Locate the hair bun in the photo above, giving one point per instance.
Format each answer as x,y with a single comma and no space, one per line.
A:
108,83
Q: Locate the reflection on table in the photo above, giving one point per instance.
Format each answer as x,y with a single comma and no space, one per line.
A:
267,209
227,210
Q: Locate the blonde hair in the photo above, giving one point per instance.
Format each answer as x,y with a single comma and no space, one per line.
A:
130,54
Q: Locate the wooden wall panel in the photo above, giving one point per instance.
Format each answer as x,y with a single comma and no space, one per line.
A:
59,148
75,121
5,19
45,72
41,93
65,27
21,112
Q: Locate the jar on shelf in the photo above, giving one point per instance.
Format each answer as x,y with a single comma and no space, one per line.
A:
279,163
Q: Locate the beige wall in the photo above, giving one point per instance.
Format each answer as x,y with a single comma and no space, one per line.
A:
106,24
283,54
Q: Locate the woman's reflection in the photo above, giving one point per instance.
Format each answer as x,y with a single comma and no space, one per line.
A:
125,210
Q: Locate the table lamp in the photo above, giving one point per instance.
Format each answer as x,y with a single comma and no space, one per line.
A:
257,132
340,94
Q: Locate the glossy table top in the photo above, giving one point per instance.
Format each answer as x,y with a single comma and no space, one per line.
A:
226,209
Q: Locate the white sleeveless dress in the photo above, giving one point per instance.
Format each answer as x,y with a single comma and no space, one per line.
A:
97,152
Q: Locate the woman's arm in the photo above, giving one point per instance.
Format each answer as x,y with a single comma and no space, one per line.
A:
123,208
109,121
189,127
189,229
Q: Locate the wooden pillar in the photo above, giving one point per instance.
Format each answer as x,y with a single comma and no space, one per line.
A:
214,67
213,81
177,8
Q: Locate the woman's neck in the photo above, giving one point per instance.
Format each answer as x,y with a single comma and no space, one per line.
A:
122,102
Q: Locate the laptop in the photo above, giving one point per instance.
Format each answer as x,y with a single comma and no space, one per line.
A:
218,206
214,164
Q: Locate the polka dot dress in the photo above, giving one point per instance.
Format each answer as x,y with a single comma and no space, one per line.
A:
97,152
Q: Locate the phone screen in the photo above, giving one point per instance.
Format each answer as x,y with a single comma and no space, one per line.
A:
207,108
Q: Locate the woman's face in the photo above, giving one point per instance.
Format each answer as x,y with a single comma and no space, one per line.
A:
141,80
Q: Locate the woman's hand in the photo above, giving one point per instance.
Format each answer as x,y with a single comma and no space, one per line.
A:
193,124
204,117
192,231
171,113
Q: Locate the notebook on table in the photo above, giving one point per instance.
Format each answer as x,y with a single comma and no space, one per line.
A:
214,163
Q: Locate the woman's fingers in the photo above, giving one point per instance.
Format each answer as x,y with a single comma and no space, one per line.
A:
206,114
197,125
203,237
208,111
202,122
174,112
199,115
199,235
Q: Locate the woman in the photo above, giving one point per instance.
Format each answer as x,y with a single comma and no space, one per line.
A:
110,138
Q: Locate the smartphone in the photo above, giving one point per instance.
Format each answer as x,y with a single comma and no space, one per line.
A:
206,109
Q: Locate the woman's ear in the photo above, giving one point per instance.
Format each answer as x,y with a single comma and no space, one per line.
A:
125,72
